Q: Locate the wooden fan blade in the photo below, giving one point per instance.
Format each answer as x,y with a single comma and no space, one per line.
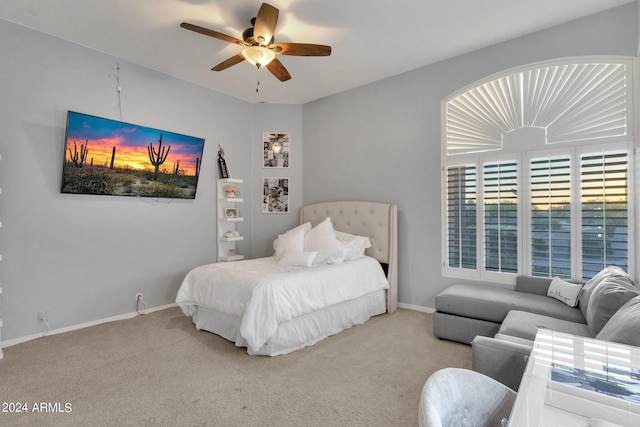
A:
278,70
301,49
229,62
211,33
265,25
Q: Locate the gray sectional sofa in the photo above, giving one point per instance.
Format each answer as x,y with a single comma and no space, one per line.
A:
501,323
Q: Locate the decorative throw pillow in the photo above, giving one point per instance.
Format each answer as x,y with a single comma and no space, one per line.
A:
306,227
290,242
624,325
322,239
564,291
354,246
587,289
607,298
297,259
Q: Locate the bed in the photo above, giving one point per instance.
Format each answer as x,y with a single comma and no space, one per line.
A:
279,304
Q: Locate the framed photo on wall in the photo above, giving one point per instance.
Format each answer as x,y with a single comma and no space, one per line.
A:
275,195
275,150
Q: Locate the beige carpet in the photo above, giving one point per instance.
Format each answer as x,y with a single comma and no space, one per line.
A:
158,370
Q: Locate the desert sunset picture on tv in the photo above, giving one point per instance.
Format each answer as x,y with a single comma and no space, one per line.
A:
111,157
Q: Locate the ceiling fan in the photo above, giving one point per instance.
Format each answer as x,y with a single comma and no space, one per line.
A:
259,47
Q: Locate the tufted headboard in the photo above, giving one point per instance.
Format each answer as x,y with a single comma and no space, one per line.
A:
377,221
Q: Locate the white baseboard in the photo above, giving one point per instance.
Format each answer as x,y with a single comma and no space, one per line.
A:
125,316
417,308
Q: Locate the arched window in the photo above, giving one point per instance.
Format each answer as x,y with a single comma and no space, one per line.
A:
538,172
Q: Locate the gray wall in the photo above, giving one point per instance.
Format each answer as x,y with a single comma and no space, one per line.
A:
83,258
382,141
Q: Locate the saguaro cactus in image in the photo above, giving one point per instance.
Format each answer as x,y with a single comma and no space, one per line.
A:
79,158
158,157
113,156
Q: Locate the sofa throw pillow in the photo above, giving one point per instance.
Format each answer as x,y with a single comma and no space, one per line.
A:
624,325
587,289
610,294
564,291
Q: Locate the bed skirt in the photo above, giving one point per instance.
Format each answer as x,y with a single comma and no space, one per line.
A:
299,332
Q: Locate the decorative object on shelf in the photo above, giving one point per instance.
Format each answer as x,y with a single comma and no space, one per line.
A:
231,252
275,150
231,212
275,195
230,191
110,157
231,233
225,172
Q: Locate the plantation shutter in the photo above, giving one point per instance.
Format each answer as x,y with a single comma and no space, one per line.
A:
501,216
461,216
572,102
605,238
551,216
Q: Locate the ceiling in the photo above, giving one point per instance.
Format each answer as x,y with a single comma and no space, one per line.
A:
370,40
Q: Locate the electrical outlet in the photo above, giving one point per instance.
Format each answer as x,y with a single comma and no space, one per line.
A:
139,296
43,316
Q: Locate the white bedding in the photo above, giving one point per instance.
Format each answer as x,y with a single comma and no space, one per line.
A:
264,294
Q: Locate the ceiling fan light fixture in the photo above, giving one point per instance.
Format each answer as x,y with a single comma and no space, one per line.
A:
258,55
258,44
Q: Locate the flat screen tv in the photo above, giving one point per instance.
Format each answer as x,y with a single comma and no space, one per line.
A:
104,156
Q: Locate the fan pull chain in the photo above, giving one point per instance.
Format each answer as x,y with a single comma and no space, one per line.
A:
257,80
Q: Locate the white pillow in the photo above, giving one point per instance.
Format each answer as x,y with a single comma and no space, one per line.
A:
290,242
354,246
306,227
566,292
322,239
297,259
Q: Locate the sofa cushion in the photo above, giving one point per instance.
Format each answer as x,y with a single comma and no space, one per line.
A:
532,284
587,289
522,324
461,329
492,303
624,325
517,340
610,294
500,359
